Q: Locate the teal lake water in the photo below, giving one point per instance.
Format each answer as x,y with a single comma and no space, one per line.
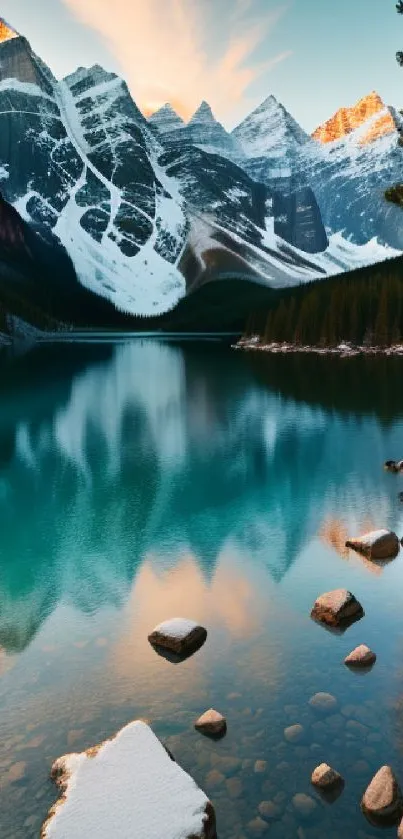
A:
149,479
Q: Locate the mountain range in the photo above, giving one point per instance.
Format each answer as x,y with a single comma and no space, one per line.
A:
130,215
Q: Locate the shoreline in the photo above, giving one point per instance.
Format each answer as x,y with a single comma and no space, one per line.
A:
343,350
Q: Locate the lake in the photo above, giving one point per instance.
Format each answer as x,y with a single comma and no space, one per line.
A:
147,479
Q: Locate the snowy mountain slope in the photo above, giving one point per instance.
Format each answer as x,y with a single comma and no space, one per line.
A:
271,141
74,158
349,178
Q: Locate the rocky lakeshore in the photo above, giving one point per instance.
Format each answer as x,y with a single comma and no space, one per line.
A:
344,350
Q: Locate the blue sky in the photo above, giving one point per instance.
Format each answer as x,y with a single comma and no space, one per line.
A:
314,55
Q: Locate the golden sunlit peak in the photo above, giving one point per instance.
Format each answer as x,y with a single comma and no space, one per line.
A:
6,32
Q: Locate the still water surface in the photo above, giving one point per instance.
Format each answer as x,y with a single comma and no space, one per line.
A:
145,480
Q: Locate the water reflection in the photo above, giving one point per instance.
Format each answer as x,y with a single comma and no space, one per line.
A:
112,455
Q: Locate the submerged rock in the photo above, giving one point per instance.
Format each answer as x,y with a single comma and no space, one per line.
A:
378,544
323,703
304,805
294,733
392,465
179,636
212,723
325,777
382,801
337,608
362,657
126,786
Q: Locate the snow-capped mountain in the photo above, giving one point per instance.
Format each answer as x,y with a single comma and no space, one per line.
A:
202,130
76,158
356,156
166,119
146,210
271,140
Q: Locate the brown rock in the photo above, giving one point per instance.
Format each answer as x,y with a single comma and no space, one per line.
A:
260,766
234,787
179,636
336,608
325,777
378,544
382,801
362,656
211,723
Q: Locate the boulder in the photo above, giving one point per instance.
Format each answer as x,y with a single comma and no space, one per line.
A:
362,656
378,544
179,636
126,786
211,723
325,778
323,703
337,608
391,466
382,801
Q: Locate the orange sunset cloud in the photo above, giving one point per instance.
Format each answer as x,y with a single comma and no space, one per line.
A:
175,51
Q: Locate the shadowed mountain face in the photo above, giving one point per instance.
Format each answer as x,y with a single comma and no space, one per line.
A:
114,454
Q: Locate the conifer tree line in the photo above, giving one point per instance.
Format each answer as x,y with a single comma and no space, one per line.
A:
359,308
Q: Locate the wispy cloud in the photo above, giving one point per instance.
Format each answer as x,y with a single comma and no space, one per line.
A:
168,50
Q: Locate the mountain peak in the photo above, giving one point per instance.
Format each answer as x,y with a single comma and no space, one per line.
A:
6,31
203,114
166,119
369,114
269,130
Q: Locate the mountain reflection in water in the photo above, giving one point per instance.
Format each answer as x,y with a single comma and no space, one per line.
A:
117,459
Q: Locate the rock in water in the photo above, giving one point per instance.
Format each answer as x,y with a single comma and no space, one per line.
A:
337,608
179,636
127,786
212,723
323,703
382,801
362,656
391,466
325,777
378,544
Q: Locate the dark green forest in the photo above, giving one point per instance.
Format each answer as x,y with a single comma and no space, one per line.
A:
364,307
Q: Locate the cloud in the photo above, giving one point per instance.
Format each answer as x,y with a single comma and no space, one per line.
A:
184,51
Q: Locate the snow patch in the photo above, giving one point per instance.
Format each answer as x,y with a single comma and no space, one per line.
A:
129,787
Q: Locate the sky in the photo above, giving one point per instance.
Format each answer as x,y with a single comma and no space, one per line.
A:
315,56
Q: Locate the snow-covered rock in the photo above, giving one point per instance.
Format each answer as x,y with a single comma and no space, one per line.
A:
212,723
378,544
336,608
362,656
178,635
128,786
